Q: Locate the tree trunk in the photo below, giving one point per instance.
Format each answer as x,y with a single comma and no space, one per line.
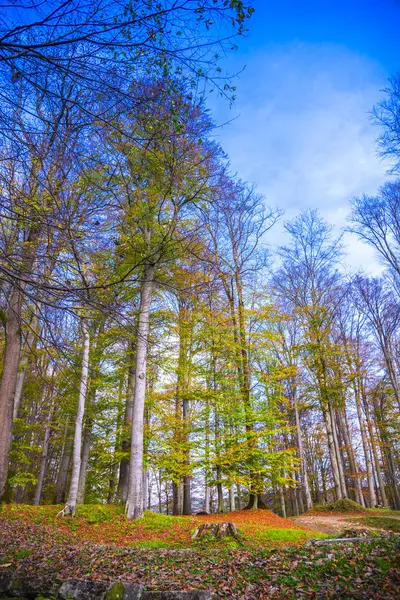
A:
367,454
303,467
355,475
123,482
76,459
375,452
282,499
338,453
206,498
332,454
87,440
12,353
177,498
9,381
231,498
43,462
23,365
134,505
62,477
187,502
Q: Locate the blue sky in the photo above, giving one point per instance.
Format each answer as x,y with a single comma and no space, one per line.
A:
301,131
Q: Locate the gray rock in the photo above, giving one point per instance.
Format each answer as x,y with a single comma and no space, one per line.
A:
77,589
21,587
133,592
190,595
5,580
124,591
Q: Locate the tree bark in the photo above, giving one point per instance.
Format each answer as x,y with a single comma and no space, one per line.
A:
303,467
12,353
367,454
332,454
62,477
43,460
375,451
87,440
231,498
76,459
134,504
9,381
123,482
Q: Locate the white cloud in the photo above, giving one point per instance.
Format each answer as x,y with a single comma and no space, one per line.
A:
303,135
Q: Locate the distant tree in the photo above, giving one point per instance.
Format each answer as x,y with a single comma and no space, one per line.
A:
376,220
387,114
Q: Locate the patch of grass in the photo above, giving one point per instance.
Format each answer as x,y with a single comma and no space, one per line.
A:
387,523
152,544
98,513
344,505
384,511
158,522
208,544
288,535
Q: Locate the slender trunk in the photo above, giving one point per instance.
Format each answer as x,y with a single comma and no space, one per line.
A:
87,440
220,493
123,483
12,353
23,365
145,489
177,498
332,454
187,503
232,498
367,454
303,467
134,505
282,499
375,453
206,497
43,462
207,459
62,477
9,381
239,497
76,459
255,483
388,356
355,475
338,453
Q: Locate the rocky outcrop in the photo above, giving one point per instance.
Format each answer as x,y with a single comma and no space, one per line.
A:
85,589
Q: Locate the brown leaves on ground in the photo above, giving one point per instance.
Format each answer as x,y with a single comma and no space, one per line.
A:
264,518
44,556
108,525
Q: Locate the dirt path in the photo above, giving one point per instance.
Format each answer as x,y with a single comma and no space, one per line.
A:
329,522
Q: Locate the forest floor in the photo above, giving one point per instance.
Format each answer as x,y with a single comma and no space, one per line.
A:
334,523
273,561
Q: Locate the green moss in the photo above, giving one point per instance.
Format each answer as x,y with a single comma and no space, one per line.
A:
288,535
22,553
152,544
343,505
115,592
387,523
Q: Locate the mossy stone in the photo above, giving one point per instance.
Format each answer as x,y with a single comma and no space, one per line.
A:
115,591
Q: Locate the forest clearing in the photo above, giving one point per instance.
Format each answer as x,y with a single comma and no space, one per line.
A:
100,544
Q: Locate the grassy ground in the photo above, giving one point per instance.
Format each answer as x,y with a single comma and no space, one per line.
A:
346,515
108,525
273,562
383,522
